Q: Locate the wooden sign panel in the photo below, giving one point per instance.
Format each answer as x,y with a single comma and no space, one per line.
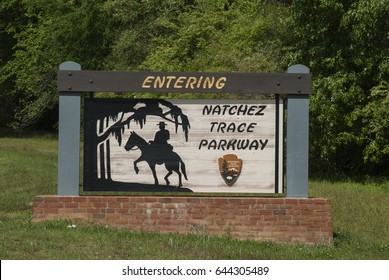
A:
207,146
184,82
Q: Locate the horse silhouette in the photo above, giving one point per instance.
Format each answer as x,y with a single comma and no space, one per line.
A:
154,154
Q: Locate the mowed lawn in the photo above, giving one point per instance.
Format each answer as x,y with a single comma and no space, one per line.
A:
28,167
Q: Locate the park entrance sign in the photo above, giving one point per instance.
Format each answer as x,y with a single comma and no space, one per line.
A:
188,166
176,145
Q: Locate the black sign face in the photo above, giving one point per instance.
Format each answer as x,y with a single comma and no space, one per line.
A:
162,145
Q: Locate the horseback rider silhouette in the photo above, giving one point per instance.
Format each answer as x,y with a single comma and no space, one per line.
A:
160,143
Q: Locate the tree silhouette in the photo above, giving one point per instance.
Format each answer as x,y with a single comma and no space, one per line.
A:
118,113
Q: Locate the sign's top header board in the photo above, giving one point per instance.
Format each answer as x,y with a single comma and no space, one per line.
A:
183,82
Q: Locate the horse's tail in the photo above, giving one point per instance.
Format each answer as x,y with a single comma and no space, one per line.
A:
183,169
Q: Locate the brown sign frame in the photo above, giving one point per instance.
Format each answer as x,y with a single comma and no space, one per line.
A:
184,82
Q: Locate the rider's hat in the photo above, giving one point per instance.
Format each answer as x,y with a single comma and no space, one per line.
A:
163,124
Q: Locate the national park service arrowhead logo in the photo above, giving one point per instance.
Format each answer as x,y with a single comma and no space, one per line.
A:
230,167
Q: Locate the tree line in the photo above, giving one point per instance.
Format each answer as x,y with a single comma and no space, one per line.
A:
344,42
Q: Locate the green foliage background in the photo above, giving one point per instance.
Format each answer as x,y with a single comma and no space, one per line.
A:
344,43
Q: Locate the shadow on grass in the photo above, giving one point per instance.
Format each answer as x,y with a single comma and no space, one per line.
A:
341,238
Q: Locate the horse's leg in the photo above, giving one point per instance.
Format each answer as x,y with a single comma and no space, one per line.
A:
135,164
167,176
174,164
176,168
152,167
179,177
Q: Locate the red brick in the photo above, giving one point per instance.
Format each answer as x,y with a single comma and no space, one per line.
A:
270,218
271,206
293,212
137,211
50,199
99,216
123,199
100,204
299,228
198,216
164,222
198,206
93,210
250,212
169,206
307,213
65,198
220,201
150,199
314,207
70,204
54,205
262,200
249,200
221,222
319,201
279,212
122,211
128,217
265,212
235,201
86,204
108,199
207,200
285,206
94,199
114,205
129,205
250,223
80,199
193,200
165,199
121,222
306,223
259,206
292,201
277,201
113,216
255,217
285,228
50,210
327,230
301,207
180,200
241,208
305,201
79,210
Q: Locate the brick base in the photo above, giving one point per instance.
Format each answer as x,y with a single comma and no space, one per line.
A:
286,220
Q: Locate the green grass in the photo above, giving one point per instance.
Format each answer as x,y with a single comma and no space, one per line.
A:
28,167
